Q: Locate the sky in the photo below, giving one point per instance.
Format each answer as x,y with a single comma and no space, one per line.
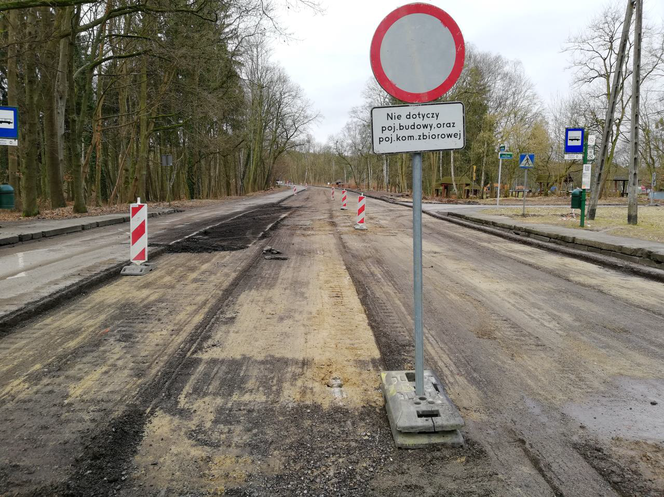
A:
328,53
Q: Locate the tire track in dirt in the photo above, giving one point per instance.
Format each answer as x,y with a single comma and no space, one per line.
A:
519,363
77,384
254,413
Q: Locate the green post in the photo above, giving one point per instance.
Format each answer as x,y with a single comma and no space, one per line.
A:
583,207
585,152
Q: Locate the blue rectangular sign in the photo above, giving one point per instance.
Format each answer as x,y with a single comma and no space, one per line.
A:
574,140
9,123
526,161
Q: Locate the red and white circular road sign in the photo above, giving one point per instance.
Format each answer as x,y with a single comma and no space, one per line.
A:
417,53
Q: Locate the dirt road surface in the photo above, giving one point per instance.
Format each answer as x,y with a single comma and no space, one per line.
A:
226,373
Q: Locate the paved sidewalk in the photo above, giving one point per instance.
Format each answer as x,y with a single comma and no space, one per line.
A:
12,232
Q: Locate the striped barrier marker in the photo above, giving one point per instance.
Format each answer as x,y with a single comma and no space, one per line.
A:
343,200
295,190
332,193
138,250
139,233
361,206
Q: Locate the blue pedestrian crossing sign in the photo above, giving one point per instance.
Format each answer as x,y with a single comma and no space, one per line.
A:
526,161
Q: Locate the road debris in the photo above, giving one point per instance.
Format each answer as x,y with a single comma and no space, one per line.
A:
272,254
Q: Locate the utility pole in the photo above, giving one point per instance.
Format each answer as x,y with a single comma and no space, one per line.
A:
632,209
608,121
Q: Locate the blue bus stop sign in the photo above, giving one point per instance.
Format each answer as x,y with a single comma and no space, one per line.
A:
9,126
574,140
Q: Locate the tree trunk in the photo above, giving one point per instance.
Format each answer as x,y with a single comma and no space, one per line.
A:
74,142
51,156
12,100
31,142
138,185
62,86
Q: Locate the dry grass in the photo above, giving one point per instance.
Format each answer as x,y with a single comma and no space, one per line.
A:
611,220
555,200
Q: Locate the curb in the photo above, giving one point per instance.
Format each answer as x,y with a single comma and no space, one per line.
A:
637,255
47,303
626,262
24,237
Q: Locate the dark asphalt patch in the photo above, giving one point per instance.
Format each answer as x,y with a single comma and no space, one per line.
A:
235,234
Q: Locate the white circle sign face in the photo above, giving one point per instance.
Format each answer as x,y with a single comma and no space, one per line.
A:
417,53
421,64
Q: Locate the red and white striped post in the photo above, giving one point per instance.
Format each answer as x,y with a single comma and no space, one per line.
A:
361,206
343,200
332,193
295,190
138,225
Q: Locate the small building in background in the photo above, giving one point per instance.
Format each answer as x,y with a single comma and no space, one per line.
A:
465,187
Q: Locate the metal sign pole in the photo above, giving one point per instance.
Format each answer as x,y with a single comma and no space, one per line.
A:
412,64
417,272
525,183
500,170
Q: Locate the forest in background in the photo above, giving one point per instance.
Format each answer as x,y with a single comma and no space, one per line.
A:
502,107
107,88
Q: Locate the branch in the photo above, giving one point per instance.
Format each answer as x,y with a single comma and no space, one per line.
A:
95,63
24,4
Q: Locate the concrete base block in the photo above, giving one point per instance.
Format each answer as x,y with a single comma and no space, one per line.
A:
420,421
137,269
422,440
360,227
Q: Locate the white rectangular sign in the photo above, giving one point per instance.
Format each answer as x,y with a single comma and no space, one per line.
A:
585,180
591,147
418,128
574,137
6,119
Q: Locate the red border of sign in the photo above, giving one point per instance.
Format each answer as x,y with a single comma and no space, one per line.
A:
386,24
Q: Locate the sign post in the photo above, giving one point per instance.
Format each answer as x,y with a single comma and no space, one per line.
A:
526,161
417,54
588,159
502,154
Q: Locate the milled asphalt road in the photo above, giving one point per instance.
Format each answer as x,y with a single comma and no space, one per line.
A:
211,374
33,270
555,363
